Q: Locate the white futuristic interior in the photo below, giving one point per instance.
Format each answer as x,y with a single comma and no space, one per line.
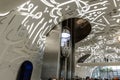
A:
33,45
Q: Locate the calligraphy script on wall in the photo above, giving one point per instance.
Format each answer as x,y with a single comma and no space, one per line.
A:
103,16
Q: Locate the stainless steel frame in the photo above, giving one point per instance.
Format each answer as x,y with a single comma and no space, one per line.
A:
51,59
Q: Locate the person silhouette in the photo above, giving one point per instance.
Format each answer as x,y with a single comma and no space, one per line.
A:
87,78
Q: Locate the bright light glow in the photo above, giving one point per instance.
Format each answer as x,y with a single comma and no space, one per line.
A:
113,67
65,35
63,41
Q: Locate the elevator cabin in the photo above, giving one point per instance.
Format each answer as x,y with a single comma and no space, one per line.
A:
58,59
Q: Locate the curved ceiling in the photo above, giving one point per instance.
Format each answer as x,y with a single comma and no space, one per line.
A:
30,22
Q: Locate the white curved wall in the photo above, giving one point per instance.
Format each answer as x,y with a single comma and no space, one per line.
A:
22,32
7,5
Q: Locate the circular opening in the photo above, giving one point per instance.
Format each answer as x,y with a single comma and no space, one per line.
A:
78,27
